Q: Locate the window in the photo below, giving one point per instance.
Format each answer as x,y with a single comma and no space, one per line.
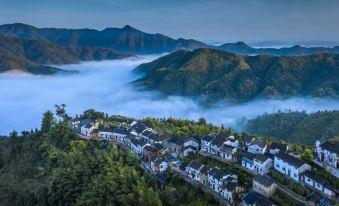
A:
295,175
277,165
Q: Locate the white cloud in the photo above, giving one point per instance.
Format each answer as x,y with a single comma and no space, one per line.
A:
103,86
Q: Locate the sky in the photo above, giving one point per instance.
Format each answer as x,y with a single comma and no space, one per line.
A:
212,21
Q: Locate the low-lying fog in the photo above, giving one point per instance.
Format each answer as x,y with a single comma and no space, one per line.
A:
102,86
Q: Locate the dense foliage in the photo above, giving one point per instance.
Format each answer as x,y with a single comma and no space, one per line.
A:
296,127
221,75
53,167
32,55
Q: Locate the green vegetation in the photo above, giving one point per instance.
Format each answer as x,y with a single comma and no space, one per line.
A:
295,187
53,167
221,75
296,127
282,199
31,56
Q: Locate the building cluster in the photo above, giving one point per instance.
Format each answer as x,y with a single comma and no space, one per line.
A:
161,152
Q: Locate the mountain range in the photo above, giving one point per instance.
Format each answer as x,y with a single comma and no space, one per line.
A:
131,40
222,75
32,56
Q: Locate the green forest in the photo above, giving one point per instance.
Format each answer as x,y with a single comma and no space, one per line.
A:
221,75
296,127
51,166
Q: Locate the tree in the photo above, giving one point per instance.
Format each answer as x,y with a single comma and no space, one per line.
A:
307,155
47,121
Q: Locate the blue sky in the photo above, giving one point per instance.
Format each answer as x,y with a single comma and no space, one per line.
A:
207,20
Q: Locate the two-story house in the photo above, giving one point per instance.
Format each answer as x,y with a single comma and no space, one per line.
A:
257,147
216,144
206,143
193,170
159,165
276,148
264,185
328,153
290,166
262,164
319,184
215,178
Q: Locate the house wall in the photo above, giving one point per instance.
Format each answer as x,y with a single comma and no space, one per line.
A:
289,170
192,143
263,167
205,146
261,189
256,149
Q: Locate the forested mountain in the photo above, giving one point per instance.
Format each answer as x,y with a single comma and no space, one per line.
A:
243,48
30,56
52,166
296,127
131,40
222,75
126,39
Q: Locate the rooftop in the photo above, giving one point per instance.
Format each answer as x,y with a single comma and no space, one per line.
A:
195,165
253,198
263,180
332,146
290,160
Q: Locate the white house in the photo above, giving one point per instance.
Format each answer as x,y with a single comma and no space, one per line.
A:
215,178
216,144
255,199
227,151
290,166
232,141
118,133
87,129
257,147
189,150
276,148
262,164
137,128
229,190
193,170
206,143
191,141
319,184
247,160
136,145
159,165
328,152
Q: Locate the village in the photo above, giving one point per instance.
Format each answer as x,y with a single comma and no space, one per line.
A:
267,164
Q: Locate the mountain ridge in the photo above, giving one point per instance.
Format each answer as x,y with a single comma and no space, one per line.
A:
223,75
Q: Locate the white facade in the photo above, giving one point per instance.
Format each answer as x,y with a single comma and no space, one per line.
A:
328,157
289,169
86,130
192,143
256,149
206,146
262,167
193,173
159,166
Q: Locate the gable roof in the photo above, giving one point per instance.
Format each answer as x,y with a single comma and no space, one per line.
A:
190,147
290,160
230,186
280,146
227,148
207,138
263,180
259,143
195,165
217,173
149,148
205,169
253,198
261,158
192,139
247,155
332,146
219,139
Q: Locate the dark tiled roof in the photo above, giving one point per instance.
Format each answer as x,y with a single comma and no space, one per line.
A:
247,155
247,138
291,160
219,139
253,198
88,125
149,148
193,139
175,140
207,138
136,141
217,173
230,186
259,143
263,180
315,177
139,127
205,169
332,146
280,146
261,158
158,146
227,148
195,165
190,147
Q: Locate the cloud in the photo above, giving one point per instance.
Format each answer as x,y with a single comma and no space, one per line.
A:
104,86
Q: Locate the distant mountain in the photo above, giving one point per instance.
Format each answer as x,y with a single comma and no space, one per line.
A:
131,40
126,39
222,75
243,48
30,55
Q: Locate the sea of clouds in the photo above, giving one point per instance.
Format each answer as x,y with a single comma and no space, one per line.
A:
104,86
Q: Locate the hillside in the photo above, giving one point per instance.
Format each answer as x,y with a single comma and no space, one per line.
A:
126,39
30,56
222,75
20,65
296,127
